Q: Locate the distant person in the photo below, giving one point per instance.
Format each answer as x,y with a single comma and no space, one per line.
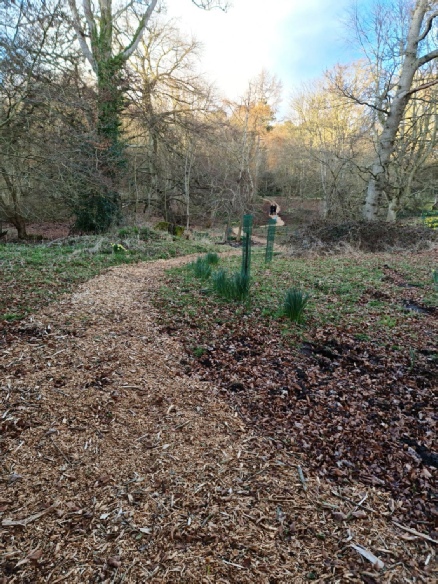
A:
273,210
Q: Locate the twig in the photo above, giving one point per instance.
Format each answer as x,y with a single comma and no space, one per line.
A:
415,532
149,446
24,522
302,479
354,502
64,456
232,564
207,519
182,425
57,353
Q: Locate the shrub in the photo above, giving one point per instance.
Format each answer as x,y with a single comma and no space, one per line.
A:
431,221
96,212
162,226
367,236
128,232
118,248
294,304
177,230
172,228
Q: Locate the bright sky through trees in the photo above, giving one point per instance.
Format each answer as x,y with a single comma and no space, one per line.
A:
293,39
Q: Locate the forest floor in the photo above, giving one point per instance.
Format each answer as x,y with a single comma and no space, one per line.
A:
124,460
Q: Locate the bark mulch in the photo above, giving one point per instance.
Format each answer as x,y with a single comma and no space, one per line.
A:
116,466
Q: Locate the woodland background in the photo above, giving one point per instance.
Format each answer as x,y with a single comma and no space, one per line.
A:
103,115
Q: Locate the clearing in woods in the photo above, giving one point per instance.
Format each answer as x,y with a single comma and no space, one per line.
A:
119,465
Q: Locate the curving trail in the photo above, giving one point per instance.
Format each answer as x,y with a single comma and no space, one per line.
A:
118,466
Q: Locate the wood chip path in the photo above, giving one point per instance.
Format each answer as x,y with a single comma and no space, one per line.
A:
117,466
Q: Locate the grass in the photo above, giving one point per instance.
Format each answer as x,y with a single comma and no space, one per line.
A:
212,258
344,289
294,305
33,275
231,287
201,268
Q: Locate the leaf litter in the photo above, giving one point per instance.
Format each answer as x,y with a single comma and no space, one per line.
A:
122,464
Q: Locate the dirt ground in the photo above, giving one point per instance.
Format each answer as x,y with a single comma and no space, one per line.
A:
120,466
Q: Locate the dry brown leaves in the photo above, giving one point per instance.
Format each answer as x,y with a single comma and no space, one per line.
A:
118,467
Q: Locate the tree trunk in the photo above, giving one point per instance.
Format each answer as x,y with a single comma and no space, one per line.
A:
13,212
187,175
20,225
379,184
393,208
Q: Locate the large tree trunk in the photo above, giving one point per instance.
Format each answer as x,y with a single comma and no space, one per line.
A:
20,225
379,184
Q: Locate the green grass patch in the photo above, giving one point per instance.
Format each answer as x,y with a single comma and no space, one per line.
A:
200,268
345,291
212,258
33,275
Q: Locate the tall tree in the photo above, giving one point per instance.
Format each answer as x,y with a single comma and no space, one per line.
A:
402,56
167,102
99,33
31,38
253,119
331,133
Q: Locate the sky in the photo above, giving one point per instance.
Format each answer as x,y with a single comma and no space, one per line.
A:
297,40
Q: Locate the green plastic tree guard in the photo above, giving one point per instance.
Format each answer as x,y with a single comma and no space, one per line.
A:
246,245
270,240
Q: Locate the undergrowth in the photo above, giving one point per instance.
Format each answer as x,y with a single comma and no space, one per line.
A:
364,236
295,303
33,275
231,286
343,289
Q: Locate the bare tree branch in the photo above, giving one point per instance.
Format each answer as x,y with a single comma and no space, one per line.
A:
427,58
428,26
421,87
209,4
127,52
81,35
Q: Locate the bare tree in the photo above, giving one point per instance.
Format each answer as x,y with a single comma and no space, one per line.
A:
332,134
30,39
252,119
166,114
100,33
399,57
